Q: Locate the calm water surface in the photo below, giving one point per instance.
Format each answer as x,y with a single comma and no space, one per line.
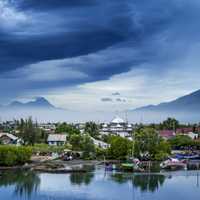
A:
99,185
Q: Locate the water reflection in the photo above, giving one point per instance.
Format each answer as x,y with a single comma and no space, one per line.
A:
83,178
99,185
146,182
25,183
149,183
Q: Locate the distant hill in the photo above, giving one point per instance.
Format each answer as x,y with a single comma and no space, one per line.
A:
189,102
38,103
186,108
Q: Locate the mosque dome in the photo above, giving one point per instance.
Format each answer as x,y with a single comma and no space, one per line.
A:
117,120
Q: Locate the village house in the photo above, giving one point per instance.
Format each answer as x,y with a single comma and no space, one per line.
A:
188,132
8,139
57,139
100,143
48,127
167,134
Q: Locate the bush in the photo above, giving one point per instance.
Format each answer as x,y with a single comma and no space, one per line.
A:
11,155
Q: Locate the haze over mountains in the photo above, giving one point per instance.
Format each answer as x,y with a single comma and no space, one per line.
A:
42,110
185,109
39,102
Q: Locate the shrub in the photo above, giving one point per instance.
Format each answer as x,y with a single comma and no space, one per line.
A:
11,155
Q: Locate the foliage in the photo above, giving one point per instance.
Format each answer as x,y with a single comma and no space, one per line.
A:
170,124
92,129
180,141
12,155
70,129
76,142
88,147
101,153
28,131
119,148
149,145
83,143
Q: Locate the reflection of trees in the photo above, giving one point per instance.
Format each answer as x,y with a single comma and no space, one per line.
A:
148,182
25,182
120,178
81,178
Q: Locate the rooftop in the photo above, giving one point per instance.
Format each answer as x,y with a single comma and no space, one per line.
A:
117,120
57,138
11,136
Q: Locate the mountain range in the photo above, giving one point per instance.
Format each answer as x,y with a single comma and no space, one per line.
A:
185,108
187,103
38,103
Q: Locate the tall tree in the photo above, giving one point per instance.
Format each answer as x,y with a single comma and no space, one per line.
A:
92,129
28,131
170,124
149,144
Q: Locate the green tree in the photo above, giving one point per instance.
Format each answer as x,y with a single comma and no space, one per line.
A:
150,145
170,124
92,129
119,148
70,129
76,142
88,146
28,131
180,141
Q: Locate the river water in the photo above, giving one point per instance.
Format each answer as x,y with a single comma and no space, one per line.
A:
100,185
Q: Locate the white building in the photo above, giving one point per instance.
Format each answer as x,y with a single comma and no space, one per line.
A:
57,139
100,143
117,126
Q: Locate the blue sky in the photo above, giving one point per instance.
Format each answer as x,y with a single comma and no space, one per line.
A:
98,55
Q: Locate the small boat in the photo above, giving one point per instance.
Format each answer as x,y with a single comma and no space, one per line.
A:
131,166
173,164
188,156
110,167
127,166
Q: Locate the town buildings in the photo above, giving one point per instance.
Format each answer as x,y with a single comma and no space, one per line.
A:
117,126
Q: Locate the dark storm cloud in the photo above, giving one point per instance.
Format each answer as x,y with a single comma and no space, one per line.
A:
96,38
52,4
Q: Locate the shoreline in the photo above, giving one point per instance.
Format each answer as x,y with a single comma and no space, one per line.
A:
56,166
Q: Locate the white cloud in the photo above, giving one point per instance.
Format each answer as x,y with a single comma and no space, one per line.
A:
51,71
10,17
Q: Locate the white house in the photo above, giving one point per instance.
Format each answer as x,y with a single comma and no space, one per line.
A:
7,138
100,143
57,139
192,135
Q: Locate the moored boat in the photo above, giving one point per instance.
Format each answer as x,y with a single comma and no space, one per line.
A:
188,156
173,164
